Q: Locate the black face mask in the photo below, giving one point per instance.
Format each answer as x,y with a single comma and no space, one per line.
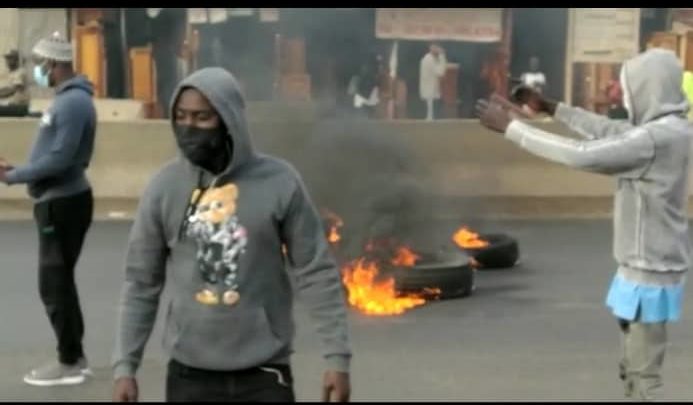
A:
204,147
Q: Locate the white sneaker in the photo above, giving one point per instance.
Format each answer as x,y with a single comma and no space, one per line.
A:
55,374
84,367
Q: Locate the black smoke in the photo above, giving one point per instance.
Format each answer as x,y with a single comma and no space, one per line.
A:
380,186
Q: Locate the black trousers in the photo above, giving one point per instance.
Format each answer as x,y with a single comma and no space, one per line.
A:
273,383
62,226
207,54
14,110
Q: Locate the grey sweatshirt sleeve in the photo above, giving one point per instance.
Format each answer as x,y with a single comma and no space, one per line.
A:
627,155
145,272
588,124
71,118
317,277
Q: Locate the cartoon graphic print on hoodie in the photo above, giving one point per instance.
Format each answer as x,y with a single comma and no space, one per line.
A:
271,209
221,239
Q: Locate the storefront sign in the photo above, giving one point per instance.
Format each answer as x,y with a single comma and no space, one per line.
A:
605,35
682,20
452,24
241,12
269,14
207,15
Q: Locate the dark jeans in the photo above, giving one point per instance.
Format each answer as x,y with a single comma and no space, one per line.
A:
14,110
260,384
62,226
207,53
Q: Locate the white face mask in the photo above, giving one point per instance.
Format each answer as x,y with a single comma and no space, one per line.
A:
626,94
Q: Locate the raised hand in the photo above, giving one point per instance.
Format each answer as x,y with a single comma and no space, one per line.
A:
493,116
535,100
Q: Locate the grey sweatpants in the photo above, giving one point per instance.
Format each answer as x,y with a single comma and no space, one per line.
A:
643,347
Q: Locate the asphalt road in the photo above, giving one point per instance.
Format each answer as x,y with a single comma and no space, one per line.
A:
537,332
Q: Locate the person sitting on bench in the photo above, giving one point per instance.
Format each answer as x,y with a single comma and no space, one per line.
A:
14,94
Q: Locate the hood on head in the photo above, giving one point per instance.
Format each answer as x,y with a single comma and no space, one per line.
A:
222,90
652,85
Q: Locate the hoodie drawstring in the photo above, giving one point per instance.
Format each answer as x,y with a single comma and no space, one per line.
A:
191,208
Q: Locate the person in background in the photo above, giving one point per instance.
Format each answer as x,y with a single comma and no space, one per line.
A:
63,202
208,22
365,89
14,91
227,229
432,69
534,79
649,156
112,20
167,37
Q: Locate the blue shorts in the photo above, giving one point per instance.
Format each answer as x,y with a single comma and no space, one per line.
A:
656,303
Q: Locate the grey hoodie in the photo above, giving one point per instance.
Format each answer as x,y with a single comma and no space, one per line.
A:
63,146
232,244
649,158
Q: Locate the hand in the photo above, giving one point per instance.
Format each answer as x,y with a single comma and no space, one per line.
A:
492,116
4,164
125,390
535,100
516,112
336,387
3,174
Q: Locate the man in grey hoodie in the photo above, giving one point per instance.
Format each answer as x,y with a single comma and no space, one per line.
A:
228,229
648,154
55,175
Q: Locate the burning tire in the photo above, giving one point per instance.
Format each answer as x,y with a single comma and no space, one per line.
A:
502,252
443,277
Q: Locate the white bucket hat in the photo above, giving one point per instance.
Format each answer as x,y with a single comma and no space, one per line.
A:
56,47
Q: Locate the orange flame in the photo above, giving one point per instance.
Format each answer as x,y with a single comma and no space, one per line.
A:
335,223
374,297
405,257
334,235
467,239
367,292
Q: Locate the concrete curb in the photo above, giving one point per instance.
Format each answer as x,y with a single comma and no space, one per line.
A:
501,208
484,207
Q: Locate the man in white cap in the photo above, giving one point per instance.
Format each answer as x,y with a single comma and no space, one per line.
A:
63,203
432,69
